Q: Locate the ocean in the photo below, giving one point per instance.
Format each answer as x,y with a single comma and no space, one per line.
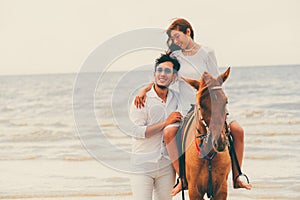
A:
51,150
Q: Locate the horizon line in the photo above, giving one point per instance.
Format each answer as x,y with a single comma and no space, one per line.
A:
65,73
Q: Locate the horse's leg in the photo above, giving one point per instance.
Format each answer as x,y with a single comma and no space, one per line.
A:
194,180
194,194
192,175
221,192
221,188
221,169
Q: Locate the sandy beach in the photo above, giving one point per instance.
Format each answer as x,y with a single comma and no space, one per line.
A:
73,180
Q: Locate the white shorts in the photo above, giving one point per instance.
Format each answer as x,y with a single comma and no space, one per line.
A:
177,124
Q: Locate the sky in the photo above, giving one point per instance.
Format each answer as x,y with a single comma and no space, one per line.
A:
57,36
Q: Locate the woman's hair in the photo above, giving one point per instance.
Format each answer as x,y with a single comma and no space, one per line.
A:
179,24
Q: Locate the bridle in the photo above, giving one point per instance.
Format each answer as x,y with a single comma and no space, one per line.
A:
205,134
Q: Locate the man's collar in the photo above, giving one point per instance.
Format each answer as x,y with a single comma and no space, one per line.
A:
152,93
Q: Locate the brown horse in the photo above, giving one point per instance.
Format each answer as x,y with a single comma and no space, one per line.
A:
207,159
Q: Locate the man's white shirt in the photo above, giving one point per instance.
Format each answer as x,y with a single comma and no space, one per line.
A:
150,150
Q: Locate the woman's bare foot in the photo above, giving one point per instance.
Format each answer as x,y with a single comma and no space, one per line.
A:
176,189
238,183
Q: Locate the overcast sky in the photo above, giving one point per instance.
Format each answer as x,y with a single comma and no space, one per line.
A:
54,36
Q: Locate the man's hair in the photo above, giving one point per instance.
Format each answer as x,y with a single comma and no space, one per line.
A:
167,58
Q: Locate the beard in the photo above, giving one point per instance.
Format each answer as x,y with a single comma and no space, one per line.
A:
162,86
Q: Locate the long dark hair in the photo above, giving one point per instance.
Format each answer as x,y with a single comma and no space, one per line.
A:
179,24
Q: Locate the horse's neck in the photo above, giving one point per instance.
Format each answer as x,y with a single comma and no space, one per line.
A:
202,127
200,122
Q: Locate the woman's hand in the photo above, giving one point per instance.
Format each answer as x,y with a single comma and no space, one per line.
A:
140,99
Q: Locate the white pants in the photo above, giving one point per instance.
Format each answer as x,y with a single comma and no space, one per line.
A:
158,183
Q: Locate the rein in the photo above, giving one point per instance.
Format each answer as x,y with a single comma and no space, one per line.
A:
232,153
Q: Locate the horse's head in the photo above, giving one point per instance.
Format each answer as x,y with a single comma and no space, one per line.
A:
211,108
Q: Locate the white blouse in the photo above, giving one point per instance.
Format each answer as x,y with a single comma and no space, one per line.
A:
193,67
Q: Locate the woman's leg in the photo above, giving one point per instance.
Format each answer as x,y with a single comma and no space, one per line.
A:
237,133
170,140
171,144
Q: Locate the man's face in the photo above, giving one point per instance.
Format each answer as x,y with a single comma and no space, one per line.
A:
164,74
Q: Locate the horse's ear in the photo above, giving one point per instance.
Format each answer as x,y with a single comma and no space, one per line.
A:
223,77
194,83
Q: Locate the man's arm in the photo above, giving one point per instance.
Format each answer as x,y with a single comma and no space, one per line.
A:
142,130
156,128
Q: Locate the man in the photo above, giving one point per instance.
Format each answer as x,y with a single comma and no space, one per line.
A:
155,174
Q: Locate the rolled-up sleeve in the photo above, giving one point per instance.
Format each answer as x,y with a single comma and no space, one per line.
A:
139,118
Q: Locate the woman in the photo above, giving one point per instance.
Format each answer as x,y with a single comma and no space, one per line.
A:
194,59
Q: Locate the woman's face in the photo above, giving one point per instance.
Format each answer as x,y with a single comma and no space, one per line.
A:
180,39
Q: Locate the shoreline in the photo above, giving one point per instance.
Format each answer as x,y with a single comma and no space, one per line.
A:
89,180
70,195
